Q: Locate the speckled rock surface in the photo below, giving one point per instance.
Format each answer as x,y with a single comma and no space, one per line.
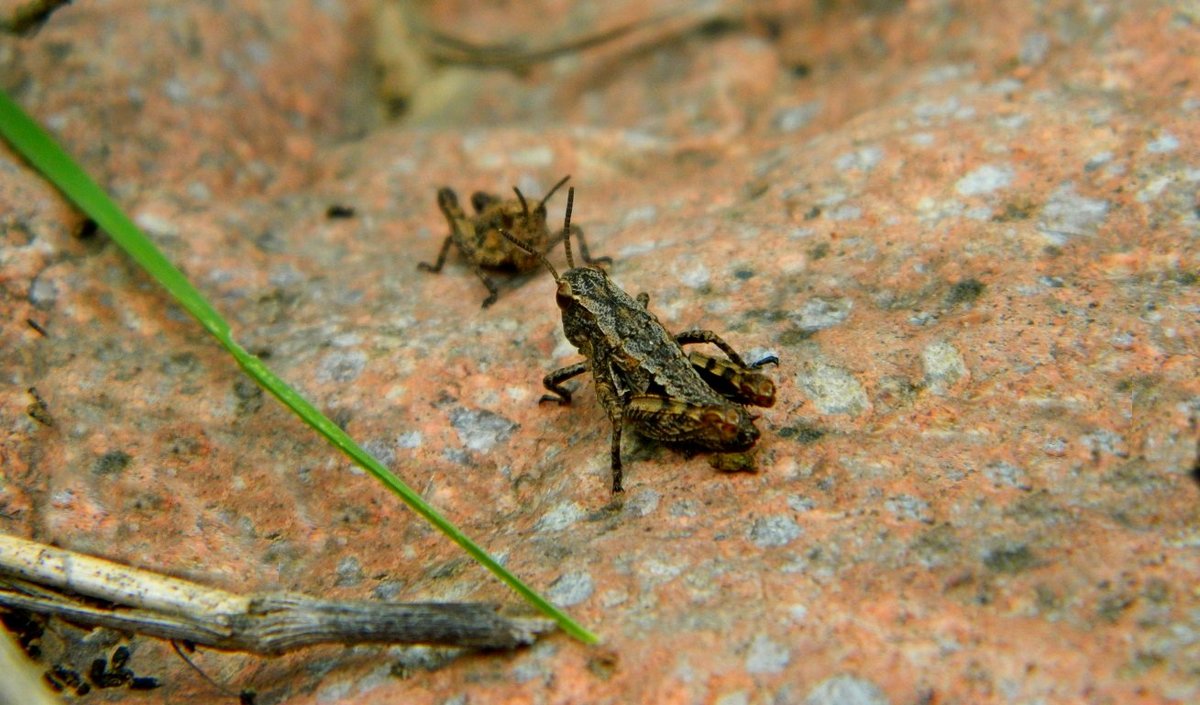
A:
968,230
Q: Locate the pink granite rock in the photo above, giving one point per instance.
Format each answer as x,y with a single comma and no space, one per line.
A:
968,230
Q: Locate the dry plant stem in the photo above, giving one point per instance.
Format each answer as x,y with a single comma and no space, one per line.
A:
29,17
50,580
450,49
20,682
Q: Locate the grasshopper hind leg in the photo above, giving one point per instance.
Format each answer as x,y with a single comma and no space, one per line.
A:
691,337
618,473
610,399
583,248
493,291
441,258
744,385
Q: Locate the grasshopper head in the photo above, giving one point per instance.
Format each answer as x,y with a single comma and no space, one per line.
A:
536,218
565,295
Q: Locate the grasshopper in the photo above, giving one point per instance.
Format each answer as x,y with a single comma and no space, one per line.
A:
478,238
641,373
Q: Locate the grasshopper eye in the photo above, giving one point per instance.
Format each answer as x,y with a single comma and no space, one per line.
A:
564,297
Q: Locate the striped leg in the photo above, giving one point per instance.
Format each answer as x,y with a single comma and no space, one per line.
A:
740,384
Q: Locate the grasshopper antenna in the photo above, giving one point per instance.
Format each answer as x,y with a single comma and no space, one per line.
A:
553,188
524,205
567,224
541,203
528,249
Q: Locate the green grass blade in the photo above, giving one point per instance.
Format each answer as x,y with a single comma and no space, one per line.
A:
32,142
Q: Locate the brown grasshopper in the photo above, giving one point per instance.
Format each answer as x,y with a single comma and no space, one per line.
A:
640,370
479,239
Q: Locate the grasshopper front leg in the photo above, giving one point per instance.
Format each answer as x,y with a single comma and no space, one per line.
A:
462,233
448,204
554,380
441,258
583,248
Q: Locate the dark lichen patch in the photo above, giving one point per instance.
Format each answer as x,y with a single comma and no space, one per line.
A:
932,546
604,664
1111,607
284,555
1015,558
113,462
910,300
818,251
770,315
968,589
449,569
1185,278
1047,599
612,510
1038,507
1142,661
965,291
147,502
801,433
180,364
896,392
743,273
755,189
186,447
1136,474
1016,209
1137,384
1156,590
794,336
249,396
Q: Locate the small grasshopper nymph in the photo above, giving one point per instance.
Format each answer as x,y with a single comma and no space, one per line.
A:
641,373
478,237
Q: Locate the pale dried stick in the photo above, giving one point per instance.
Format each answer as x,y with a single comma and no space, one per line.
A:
51,580
21,683
28,18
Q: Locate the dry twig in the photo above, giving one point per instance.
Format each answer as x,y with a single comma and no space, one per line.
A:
56,582
21,683
29,17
